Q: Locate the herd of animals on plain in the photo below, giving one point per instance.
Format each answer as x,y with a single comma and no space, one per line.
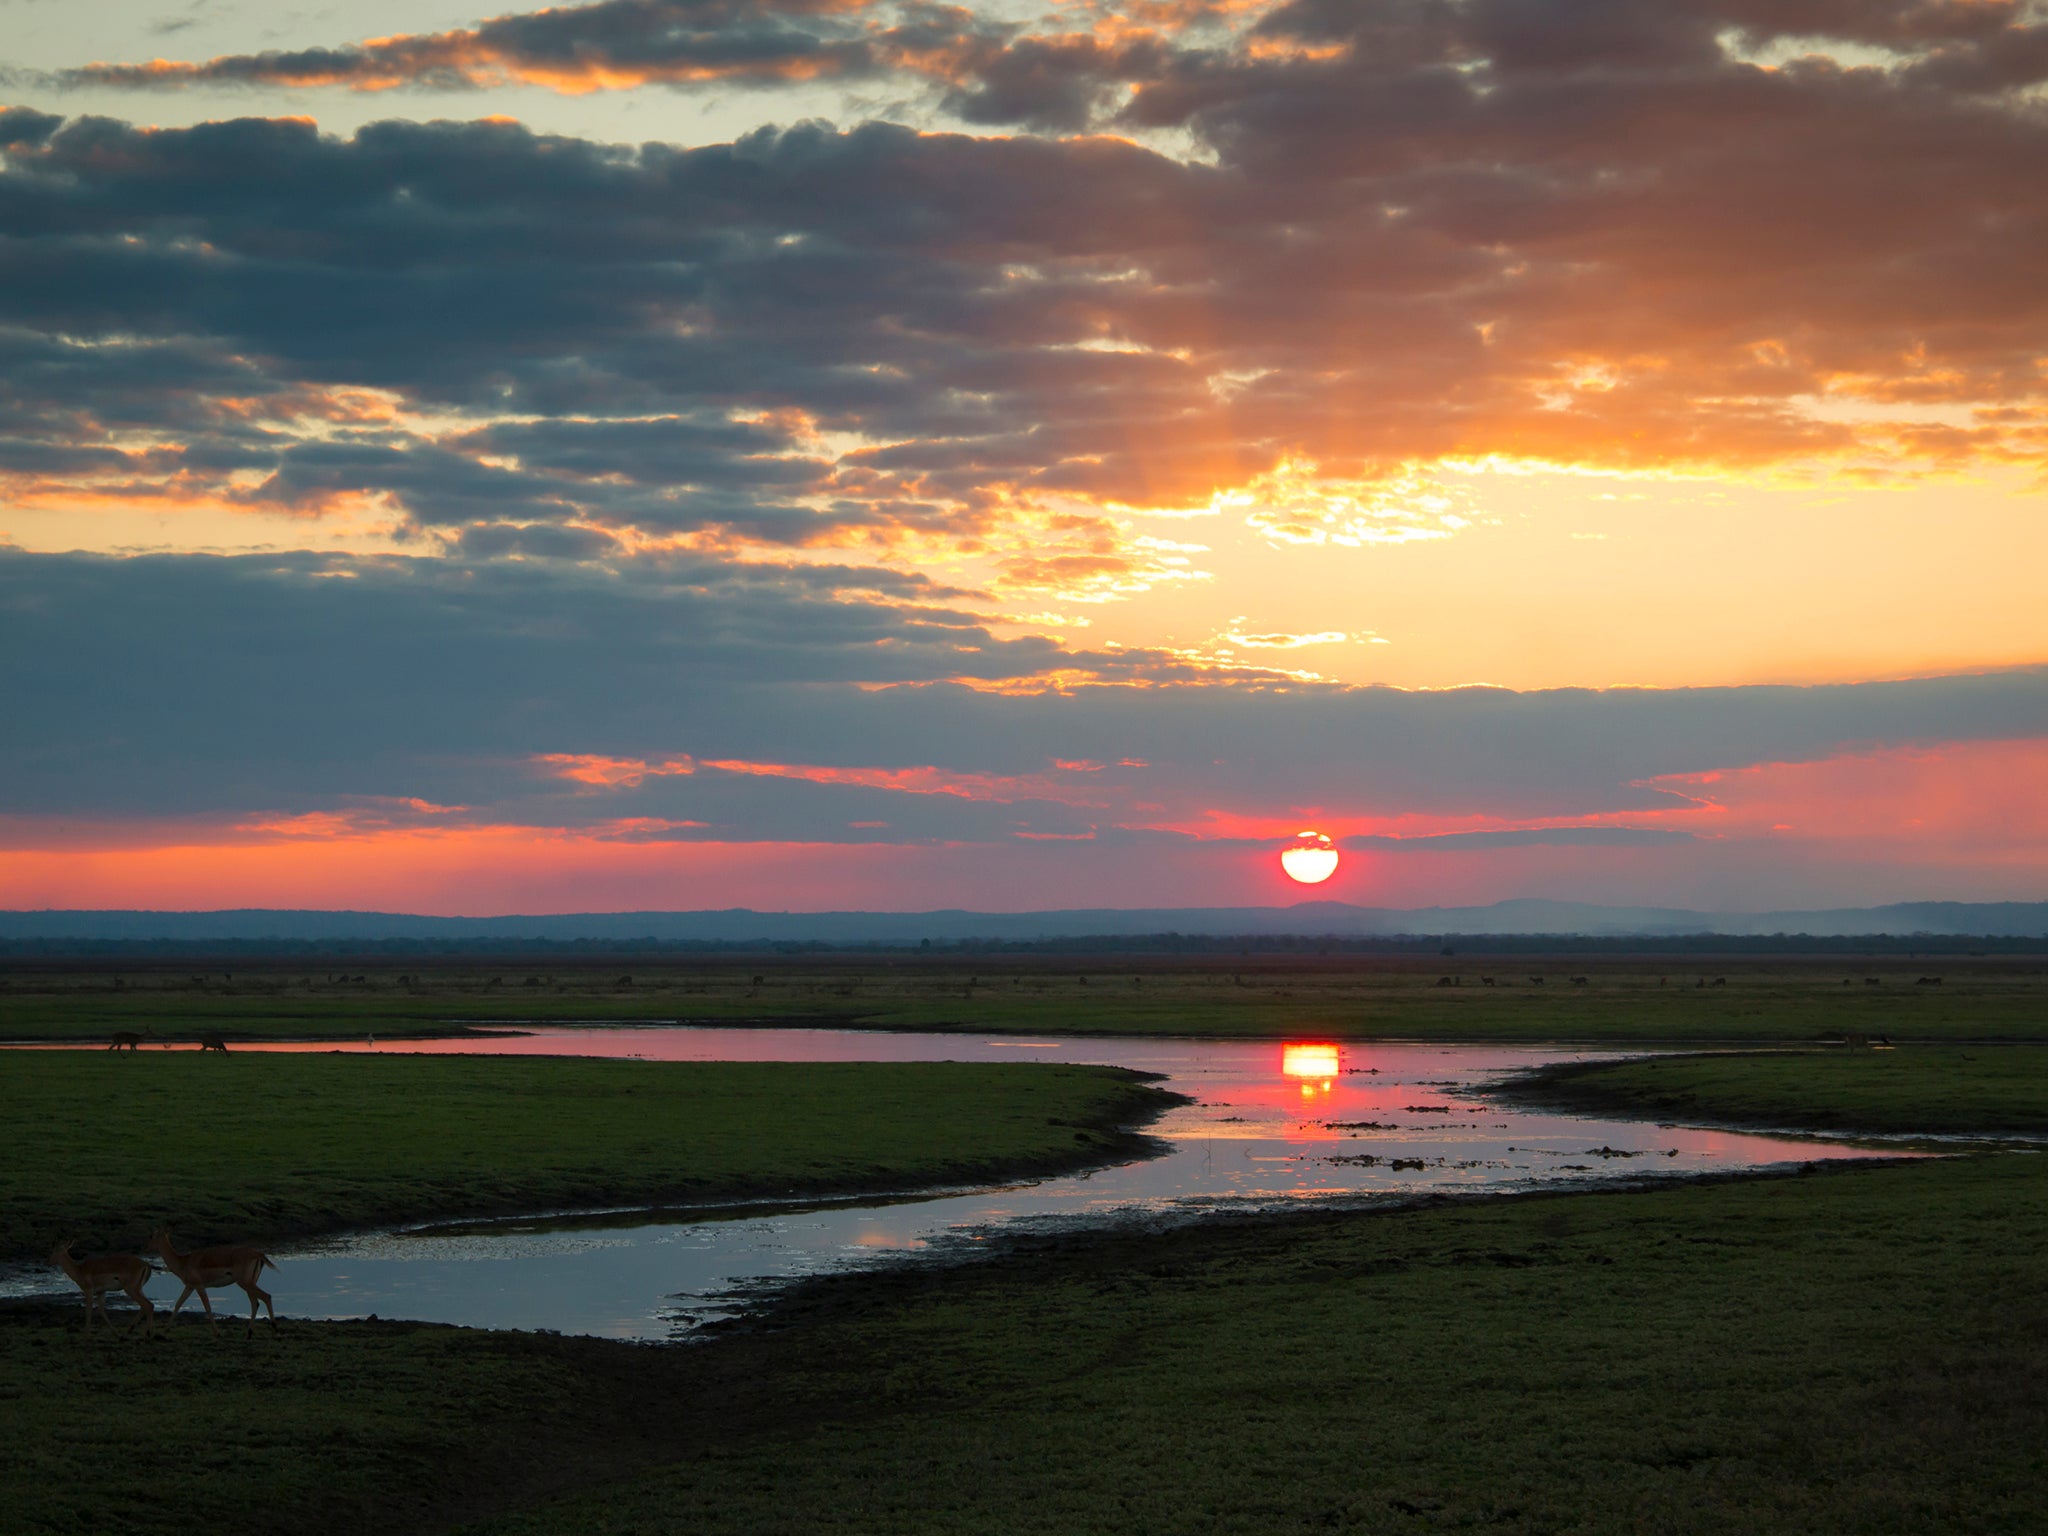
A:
133,1040
199,1268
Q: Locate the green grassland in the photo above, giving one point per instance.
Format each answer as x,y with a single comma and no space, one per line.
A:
1862,1349
1930,1090
1618,1002
321,1427
1857,1351
264,1145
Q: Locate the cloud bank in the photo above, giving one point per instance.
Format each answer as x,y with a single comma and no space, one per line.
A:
713,489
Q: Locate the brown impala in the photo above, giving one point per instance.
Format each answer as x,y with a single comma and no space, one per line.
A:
203,1267
104,1272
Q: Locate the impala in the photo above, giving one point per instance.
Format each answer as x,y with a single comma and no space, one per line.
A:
202,1267
104,1272
128,1039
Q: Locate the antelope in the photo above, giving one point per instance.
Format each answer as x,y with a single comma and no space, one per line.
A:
212,1041
95,1276
128,1039
201,1267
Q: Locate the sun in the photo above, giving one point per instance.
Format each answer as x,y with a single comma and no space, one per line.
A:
1311,860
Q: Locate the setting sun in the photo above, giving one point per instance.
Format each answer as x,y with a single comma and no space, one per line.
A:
1311,860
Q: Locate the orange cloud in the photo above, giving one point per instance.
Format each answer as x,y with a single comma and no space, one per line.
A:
933,781
612,772
1959,819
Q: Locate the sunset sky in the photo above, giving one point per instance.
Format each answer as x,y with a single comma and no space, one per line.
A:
811,454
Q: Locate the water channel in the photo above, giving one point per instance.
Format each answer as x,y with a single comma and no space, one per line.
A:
1271,1124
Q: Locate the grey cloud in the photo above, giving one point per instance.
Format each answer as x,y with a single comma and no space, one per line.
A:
1441,842
611,44
735,41
1535,837
198,682
935,293
26,126
485,541
1409,220
719,805
194,685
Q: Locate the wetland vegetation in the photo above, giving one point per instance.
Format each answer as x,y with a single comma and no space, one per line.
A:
1862,1349
104,1146
1850,1351
1629,1000
1913,1090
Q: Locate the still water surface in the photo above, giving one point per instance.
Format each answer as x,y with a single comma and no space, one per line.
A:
1271,1124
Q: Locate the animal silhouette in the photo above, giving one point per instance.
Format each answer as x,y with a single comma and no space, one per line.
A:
97,1275
234,1264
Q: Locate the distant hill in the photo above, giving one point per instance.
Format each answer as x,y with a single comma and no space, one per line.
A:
1527,916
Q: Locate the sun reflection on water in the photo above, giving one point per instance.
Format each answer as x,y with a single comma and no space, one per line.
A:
1314,1064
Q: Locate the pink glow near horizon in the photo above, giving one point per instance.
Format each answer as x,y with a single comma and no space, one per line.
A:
1857,827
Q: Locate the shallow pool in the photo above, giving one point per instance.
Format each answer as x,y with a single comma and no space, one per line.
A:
1271,1124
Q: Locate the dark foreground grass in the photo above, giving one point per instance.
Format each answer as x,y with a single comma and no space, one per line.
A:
1676,1001
323,1427
1859,1351
103,1146
1929,1090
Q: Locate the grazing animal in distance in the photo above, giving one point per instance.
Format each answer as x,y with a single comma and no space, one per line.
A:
212,1040
1582,981
96,1275
233,1264
1443,981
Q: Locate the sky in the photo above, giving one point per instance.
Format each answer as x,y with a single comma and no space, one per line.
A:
821,454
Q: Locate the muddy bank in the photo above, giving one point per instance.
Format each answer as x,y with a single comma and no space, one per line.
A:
1137,1241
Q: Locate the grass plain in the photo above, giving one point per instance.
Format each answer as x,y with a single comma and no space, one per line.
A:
1683,1000
1858,1350
103,1145
1848,1352
1917,1090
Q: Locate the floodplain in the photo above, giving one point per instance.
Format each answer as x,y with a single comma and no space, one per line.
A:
1855,1349
1627,1000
